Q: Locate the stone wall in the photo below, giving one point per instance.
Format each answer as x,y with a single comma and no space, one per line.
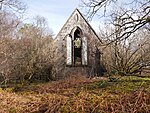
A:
76,19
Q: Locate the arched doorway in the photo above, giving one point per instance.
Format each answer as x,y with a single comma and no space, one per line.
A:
77,47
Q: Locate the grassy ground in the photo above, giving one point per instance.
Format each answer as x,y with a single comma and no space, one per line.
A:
79,95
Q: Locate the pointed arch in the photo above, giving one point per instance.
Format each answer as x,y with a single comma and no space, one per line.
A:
76,48
77,28
77,45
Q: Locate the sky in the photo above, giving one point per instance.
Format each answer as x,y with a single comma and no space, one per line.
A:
55,11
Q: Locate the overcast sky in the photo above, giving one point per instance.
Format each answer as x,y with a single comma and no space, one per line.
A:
55,11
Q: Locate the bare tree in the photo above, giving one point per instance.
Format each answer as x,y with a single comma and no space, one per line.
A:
8,24
126,45
133,16
128,57
27,56
39,52
13,5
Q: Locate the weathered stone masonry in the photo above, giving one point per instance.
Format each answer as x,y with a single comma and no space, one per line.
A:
67,60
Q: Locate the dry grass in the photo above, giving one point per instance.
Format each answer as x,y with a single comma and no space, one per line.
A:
77,95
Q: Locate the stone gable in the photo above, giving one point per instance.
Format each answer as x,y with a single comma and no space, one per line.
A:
76,21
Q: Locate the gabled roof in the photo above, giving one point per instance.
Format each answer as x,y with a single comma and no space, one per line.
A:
83,19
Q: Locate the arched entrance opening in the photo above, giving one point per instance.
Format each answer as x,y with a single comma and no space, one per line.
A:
77,46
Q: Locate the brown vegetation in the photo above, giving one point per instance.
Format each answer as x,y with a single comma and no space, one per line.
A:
26,55
79,95
25,49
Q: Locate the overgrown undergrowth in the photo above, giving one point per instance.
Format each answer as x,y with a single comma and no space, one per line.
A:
79,95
